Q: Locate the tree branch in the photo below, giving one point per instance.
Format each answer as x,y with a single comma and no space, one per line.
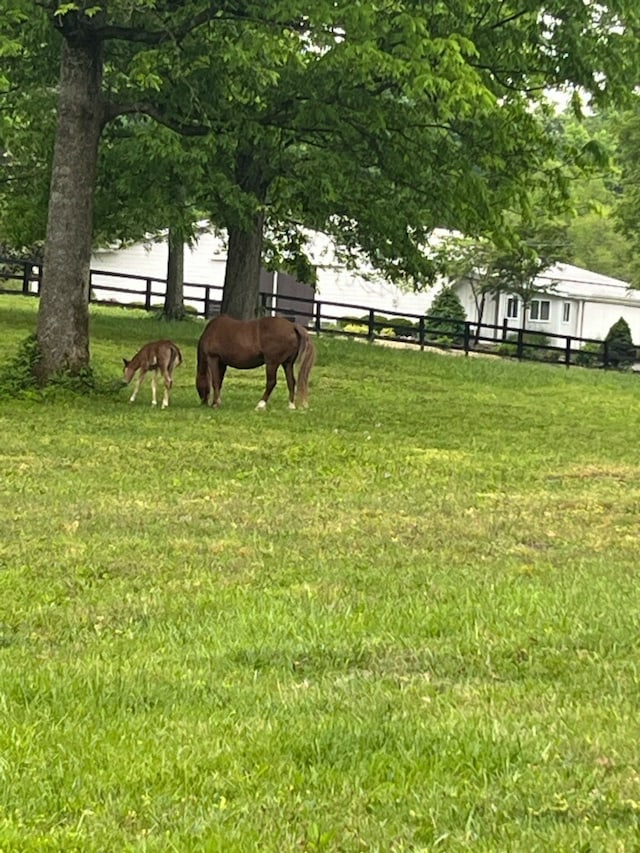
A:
112,110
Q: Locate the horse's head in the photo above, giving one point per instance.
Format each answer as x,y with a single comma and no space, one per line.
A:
203,387
128,371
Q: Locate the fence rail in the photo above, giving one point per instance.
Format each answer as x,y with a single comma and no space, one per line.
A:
24,276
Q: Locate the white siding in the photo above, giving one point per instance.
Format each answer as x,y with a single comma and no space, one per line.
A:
205,264
595,305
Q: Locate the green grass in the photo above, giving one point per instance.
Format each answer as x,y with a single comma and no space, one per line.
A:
404,620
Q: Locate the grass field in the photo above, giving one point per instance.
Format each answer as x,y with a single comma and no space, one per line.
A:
406,619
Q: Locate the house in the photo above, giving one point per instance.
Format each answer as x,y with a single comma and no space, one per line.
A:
569,301
205,262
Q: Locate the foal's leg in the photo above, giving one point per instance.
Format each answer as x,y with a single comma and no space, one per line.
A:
154,401
291,382
168,382
138,383
272,370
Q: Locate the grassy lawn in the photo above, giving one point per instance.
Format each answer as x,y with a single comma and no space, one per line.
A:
407,619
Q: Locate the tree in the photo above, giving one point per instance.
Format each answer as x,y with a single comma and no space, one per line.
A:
627,210
434,112
446,319
619,345
514,268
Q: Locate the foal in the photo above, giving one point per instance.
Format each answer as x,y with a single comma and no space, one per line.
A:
163,356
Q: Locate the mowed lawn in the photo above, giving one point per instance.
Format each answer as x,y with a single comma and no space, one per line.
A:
406,619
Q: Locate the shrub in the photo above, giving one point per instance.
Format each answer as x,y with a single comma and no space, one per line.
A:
590,355
378,319
343,322
402,327
446,318
620,349
531,349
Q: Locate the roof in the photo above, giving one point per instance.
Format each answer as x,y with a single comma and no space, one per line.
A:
579,283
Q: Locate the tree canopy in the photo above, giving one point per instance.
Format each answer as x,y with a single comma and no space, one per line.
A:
375,121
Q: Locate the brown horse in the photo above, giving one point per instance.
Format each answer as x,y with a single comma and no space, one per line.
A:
164,356
243,344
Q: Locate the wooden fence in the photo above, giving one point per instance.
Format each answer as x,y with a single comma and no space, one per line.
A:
107,287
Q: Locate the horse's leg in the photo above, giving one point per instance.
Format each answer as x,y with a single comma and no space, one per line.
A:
154,374
217,368
168,382
138,383
291,382
272,370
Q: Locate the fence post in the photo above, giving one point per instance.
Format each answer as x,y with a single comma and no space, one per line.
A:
505,328
421,332
372,320
467,336
520,350
207,301
147,296
318,318
567,352
605,354
26,277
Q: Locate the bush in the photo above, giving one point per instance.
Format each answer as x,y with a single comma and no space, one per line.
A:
355,329
531,349
446,318
620,349
346,321
402,327
590,355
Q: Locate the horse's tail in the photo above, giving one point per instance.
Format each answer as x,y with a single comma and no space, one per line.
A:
175,359
203,378
307,356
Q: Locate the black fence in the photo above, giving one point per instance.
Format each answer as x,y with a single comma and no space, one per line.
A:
107,288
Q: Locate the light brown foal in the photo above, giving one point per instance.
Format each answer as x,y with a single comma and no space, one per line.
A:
162,356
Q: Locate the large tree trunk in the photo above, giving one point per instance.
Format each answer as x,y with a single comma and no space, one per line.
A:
174,297
63,317
241,294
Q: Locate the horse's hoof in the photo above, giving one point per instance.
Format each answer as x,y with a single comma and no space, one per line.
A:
262,405
292,406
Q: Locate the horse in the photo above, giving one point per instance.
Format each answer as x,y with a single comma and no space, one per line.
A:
244,344
163,356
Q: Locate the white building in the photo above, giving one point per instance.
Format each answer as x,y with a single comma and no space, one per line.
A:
571,302
130,268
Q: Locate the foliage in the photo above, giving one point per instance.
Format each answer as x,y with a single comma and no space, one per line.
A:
515,268
17,374
533,347
408,663
620,349
590,355
446,318
627,210
314,117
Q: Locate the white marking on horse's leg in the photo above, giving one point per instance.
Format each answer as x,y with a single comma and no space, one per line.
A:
262,405
165,398
136,387
154,401
292,406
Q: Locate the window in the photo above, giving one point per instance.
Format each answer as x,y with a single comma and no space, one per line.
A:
539,309
566,312
512,308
